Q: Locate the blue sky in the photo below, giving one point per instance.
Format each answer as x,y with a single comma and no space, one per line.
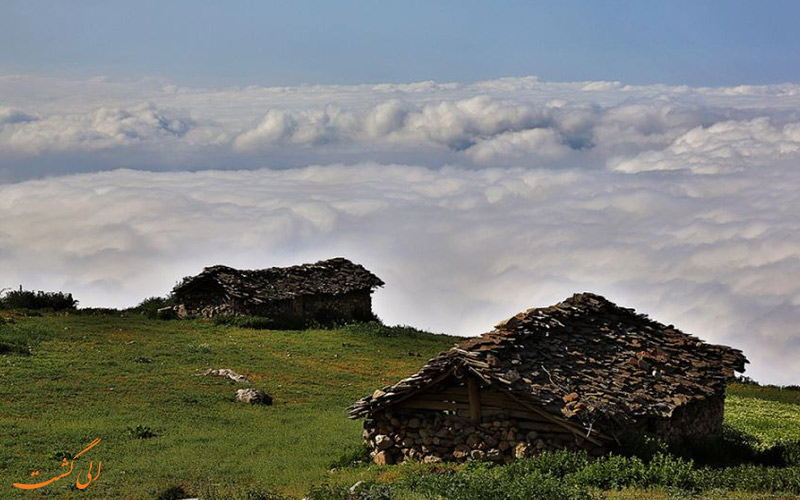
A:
286,43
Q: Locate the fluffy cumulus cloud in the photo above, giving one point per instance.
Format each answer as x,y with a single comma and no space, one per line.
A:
459,249
472,201
103,128
510,122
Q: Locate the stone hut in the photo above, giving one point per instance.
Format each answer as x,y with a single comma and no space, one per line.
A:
577,375
328,291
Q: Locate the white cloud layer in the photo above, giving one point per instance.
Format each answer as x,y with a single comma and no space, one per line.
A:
57,127
459,249
472,201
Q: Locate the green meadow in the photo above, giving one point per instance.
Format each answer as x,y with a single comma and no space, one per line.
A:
166,432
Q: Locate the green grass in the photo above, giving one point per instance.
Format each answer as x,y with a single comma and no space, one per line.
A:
85,379
132,382
769,421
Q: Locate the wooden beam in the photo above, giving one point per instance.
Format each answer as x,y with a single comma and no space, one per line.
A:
592,436
474,399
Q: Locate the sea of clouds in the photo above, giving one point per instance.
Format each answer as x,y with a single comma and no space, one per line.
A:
472,201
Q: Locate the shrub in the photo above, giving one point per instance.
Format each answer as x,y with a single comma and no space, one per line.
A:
149,307
491,483
26,299
612,473
365,490
670,471
555,463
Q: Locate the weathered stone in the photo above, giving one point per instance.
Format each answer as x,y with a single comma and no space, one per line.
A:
181,312
473,441
383,458
383,441
494,454
431,459
166,313
253,396
414,423
224,372
521,450
477,455
461,452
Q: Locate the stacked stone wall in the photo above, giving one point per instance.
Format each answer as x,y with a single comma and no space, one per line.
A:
349,306
702,418
322,308
430,436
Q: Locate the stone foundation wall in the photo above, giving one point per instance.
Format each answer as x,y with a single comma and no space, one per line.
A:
321,308
703,418
431,436
350,306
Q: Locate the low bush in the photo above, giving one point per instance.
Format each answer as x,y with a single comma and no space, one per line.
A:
27,299
555,463
365,490
491,483
149,307
566,475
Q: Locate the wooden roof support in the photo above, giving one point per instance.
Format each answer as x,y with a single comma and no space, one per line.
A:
474,399
592,435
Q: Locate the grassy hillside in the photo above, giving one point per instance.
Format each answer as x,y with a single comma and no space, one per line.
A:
92,376
68,379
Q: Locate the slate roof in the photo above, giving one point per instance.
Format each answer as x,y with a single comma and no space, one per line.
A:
335,276
584,359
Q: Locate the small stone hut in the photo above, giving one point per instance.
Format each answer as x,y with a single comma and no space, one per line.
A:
327,291
576,375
